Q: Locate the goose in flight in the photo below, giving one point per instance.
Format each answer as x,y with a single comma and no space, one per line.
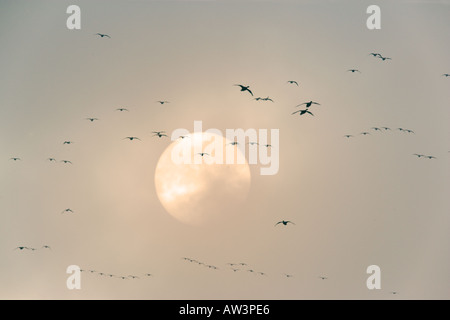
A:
284,222
375,54
67,211
431,157
308,104
418,155
67,142
22,248
446,75
160,134
384,58
132,138
203,154
385,128
66,161
148,275
252,143
51,159
133,277
353,70
234,143
122,109
46,247
266,99
162,101
101,35
323,278
376,129
348,136
288,275
302,112
244,88
293,82
409,131
364,133
15,159
91,119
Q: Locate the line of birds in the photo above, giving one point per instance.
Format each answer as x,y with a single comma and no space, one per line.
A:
379,129
110,275
22,248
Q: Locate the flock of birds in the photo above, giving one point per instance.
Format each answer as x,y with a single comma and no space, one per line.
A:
235,267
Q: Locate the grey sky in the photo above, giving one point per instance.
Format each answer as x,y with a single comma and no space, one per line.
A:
356,202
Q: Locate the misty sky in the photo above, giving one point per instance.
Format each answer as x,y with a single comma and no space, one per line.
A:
356,202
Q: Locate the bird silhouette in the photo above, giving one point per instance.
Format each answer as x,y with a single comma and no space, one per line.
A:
284,222
244,88
91,119
302,112
375,54
15,159
46,247
252,143
122,109
22,248
364,133
308,104
162,101
323,278
385,128
293,82
234,143
131,138
418,155
354,70
203,154
288,275
348,136
431,157
67,142
160,134
376,129
51,159
446,75
67,210
66,161
267,99
148,275
102,35
384,58
409,131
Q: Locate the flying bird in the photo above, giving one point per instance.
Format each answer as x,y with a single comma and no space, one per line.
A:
67,211
160,134
409,131
252,143
418,155
66,161
15,159
22,248
284,222
375,54
376,129
162,101
203,153
431,157
364,133
51,159
102,35
91,119
384,58
302,112
446,75
132,138
354,70
122,109
266,99
308,104
288,275
348,136
323,278
46,247
67,142
244,88
293,82
234,143
385,128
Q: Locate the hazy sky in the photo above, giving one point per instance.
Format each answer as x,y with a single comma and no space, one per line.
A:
356,202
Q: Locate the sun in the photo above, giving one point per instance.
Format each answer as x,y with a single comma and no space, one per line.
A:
200,191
